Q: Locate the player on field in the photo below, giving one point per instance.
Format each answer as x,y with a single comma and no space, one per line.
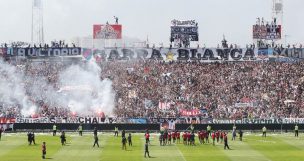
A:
165,138
33,138
234,128
169,138
209,130
207,136
29,138
174,136
63,138
203,136
213,138
147,150
222,136
233,134
116,131
54,130
161,139
296,131
43,150
1,131
264,131
96,141
95,131
217,136
130,139
199,136
226,142
123,133
189,138
147,137
178,137
185,138
80,130
124,143
241,135
192,139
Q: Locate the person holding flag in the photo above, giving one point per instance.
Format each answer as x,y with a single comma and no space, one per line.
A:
192,128
234,128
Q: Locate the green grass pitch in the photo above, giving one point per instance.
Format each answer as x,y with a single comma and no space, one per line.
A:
276,147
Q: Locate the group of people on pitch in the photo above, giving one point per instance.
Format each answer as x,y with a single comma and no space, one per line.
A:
31,138
125,140
166,137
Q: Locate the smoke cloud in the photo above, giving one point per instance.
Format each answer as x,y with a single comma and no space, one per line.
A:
12,91
84,91
79,89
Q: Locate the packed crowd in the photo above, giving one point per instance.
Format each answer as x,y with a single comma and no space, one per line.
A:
229,90
215,87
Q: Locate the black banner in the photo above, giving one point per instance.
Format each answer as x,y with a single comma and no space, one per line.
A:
39,52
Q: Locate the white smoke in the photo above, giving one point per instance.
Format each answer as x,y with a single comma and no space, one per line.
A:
12,91
81,89
87,92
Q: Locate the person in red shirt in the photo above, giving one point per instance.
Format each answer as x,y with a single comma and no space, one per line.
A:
147,136
199,136
217,135
178,137
169,137
206,134
221,136
43,150
174,136
213,137
189,137
185,138
203,136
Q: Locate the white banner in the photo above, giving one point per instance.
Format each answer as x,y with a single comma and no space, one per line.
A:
182,54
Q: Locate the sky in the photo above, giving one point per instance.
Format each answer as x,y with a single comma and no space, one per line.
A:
67,19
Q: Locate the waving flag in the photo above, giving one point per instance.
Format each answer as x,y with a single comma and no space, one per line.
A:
87,53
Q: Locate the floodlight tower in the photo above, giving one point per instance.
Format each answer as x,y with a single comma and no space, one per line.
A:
277,10
37,23
277,13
